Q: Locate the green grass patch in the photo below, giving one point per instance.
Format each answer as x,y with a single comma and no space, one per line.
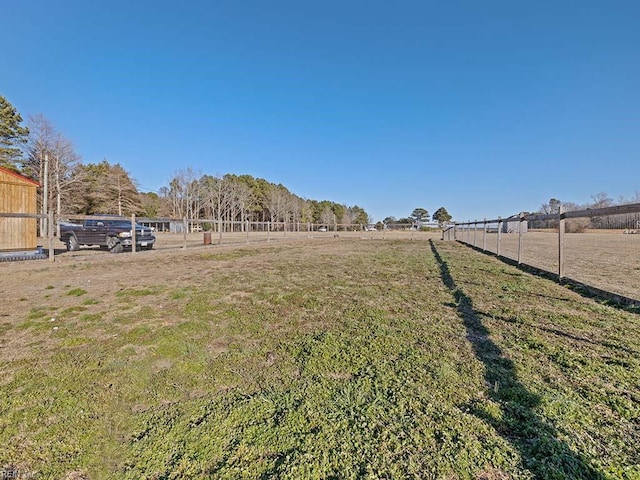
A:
38,312
138,292
77,292
179,293
72,311
90,317
367,360
74,341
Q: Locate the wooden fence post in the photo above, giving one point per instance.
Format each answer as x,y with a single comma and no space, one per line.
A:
520,238
475,229
484,235
51,229
561,227
133,233
499,233
184,233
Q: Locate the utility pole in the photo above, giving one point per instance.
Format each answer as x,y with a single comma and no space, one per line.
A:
45,194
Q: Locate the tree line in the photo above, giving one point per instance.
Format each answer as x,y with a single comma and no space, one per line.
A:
68,186
242,198
418,217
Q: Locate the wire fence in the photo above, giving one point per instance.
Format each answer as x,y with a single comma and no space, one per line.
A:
598,249
174,233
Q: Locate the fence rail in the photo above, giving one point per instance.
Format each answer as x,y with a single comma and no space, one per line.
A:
36,216
597,259
587,247
176,233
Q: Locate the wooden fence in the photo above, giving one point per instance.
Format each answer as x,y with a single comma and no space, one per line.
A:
51,229
492,235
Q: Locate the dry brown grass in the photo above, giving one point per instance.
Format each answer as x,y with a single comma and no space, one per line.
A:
606,260
39,289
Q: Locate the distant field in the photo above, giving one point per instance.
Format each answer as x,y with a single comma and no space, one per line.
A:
172,241
606,260
332,358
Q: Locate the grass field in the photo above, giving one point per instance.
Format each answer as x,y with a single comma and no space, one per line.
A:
608,260
326,359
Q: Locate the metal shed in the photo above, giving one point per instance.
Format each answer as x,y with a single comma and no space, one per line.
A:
513,224
18,194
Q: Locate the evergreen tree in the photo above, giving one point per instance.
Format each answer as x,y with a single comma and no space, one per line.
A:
441,216
12,135
420,215
105,188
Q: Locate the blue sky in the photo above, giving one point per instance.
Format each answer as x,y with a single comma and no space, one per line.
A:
484,107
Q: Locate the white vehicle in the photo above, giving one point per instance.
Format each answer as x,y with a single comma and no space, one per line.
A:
322,229
370,229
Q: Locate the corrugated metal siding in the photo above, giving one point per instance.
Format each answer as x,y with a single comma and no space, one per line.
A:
17,196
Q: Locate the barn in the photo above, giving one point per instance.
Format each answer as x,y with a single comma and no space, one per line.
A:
18,194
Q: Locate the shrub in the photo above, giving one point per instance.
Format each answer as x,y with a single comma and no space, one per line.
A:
577,225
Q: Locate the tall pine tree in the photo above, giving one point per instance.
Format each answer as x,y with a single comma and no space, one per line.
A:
12,135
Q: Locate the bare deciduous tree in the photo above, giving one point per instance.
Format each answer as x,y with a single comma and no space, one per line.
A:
244,199
184,194
601,200
278,203
52,159
327,216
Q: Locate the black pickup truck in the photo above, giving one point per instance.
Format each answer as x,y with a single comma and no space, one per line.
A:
113,234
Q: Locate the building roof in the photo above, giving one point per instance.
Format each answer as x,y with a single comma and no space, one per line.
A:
18,176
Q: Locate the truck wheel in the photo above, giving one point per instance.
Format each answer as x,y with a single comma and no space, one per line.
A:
114,245
72,243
